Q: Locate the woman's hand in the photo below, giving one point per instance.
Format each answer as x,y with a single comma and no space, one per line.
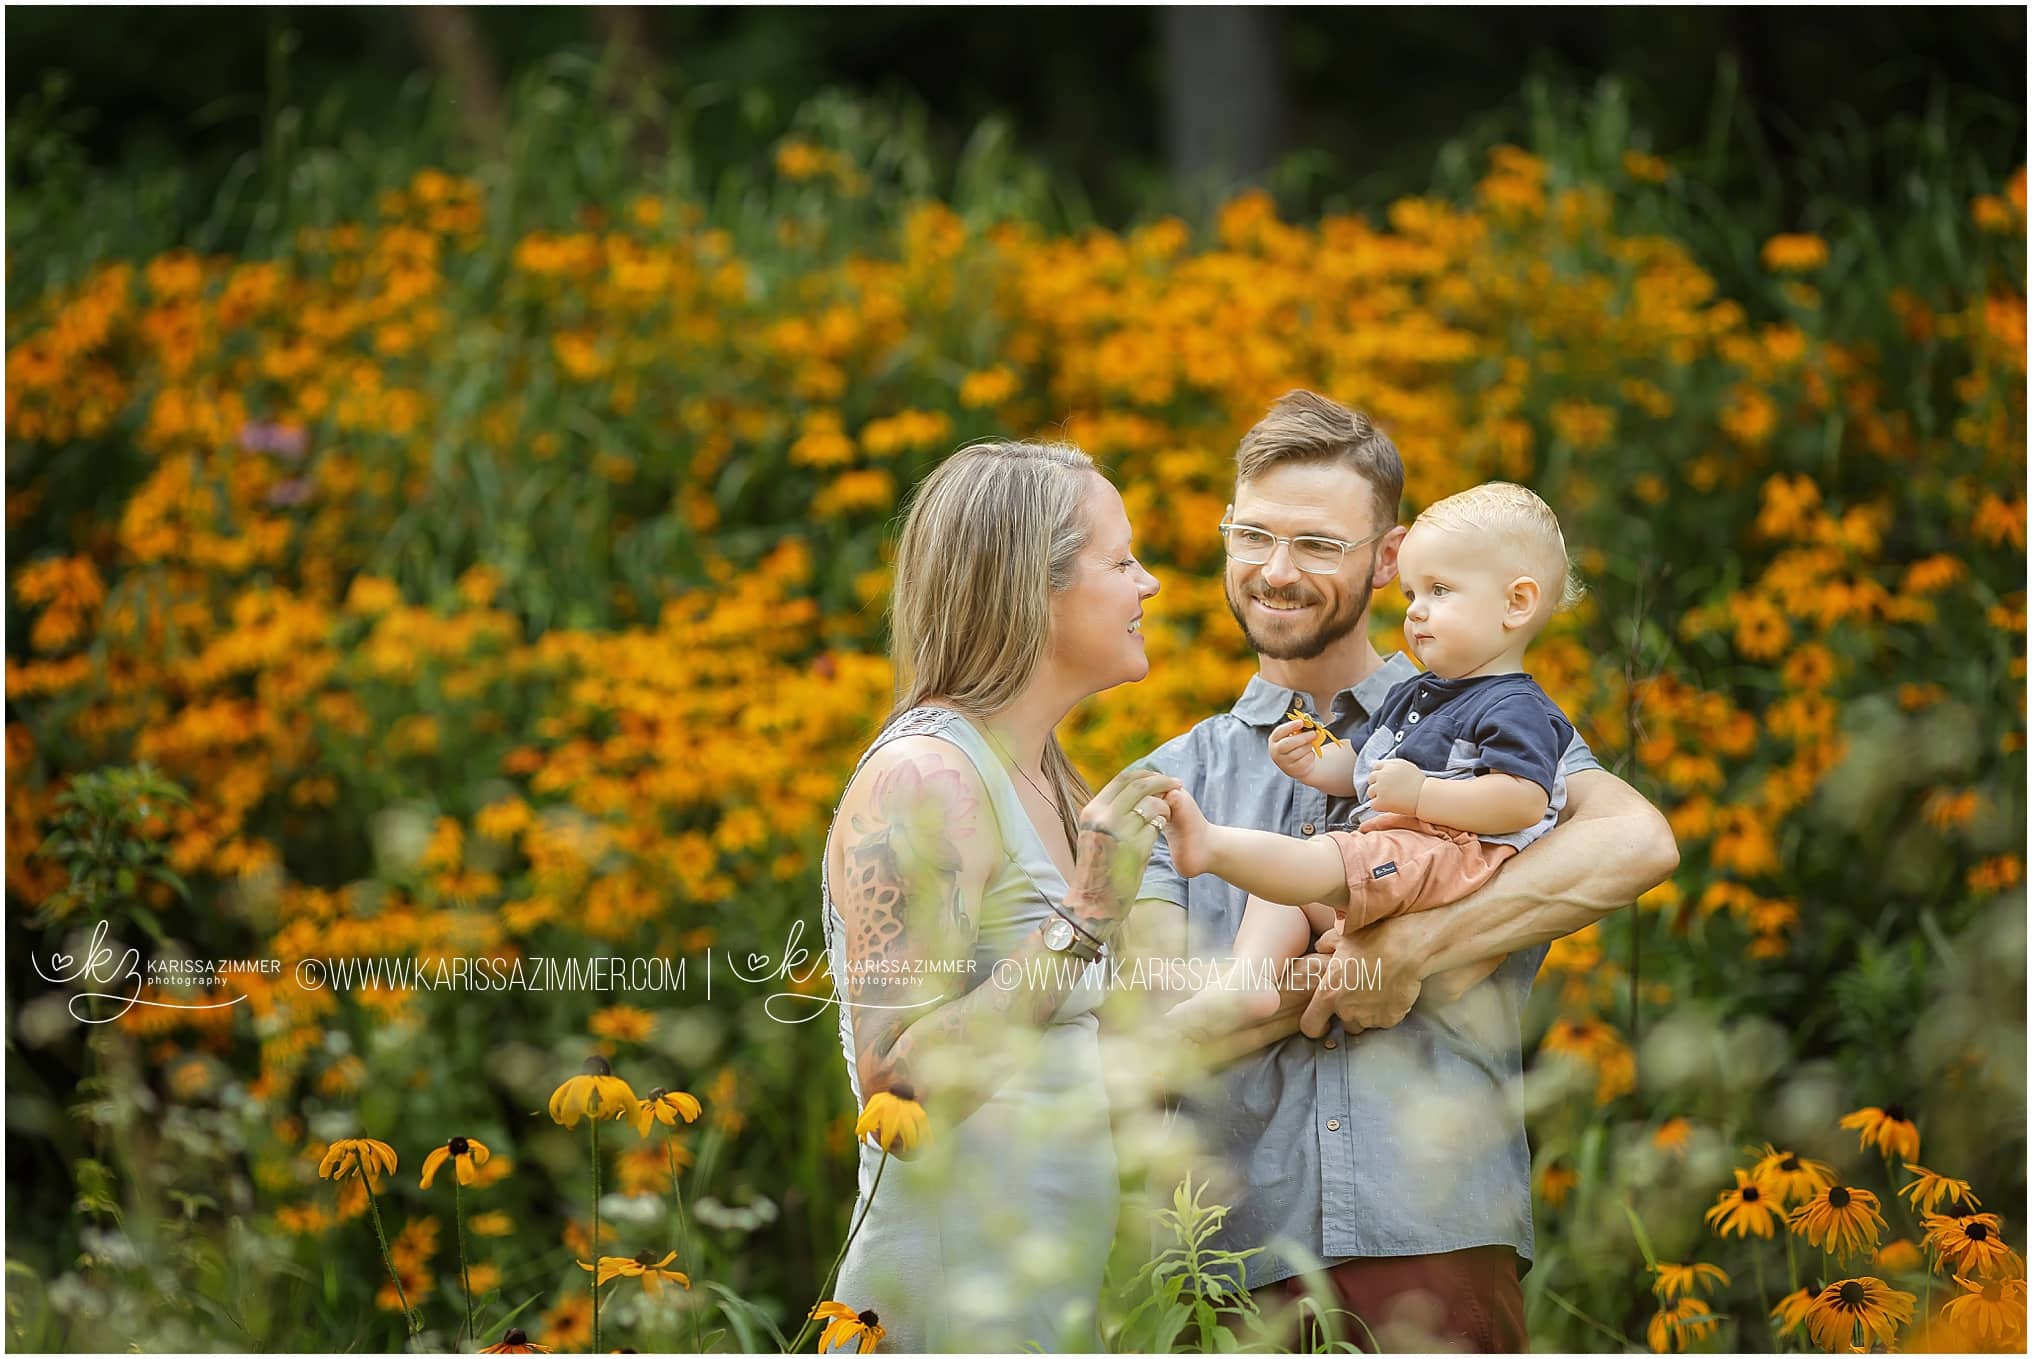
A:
1116,833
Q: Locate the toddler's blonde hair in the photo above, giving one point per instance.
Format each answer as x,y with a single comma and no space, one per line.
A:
1523,526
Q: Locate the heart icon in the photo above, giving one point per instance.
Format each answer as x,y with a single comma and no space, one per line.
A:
758,962
62,962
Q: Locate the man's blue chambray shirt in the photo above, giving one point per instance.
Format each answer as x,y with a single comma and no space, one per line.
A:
1400,1141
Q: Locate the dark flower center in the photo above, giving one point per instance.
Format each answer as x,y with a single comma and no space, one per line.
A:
1852,1294
869,1318
516,1336
1837,1197
457,1146
1896,1113
647,1257
1750,1194
657,1093
903,1092
1790,1163
598,1066
1978,1232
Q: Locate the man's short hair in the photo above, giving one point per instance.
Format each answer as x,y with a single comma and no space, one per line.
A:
1524,526
1304,426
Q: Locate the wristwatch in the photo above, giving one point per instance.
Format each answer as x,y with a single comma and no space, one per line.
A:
1062,936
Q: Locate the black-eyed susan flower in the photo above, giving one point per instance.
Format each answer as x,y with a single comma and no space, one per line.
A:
1928,1191
1791,1309
1897,1257
1791,1177
1673,1135
1888,1129
361,1156
466,1154
1973,1244
644,1266
844,1324
665,1107
1868,1302
895,1118
623,1022
516,1341
1685,1280
1745,1210
1679,1324
1991,1310
1840,1219
597,1093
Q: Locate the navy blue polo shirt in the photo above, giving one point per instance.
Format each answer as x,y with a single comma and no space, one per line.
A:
1482,724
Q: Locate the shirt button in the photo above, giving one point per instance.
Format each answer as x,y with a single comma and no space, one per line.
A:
1306,829
1396,737
1333,1125
1332,1043
1412,718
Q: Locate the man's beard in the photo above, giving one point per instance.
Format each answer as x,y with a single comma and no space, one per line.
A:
1307,645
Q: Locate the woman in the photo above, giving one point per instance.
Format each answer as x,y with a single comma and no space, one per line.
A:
969,880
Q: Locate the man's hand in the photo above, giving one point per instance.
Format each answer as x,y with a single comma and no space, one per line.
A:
1394,785
1343,991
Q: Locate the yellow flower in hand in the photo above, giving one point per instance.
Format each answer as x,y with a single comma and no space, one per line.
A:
665,1107
1321,737
895,1118
466,1154
599,1093
357,1156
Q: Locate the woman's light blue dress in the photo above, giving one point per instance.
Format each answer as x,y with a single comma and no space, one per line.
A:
996,1234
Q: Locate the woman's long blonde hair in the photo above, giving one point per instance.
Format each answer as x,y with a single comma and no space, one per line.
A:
988,538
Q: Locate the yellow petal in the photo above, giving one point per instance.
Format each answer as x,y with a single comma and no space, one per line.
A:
464,1166
643,1120
430,1165
329,1166
687,1105
479,1151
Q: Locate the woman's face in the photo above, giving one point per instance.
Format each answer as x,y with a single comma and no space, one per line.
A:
1097,620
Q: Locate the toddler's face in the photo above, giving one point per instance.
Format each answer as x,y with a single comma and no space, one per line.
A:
1462,612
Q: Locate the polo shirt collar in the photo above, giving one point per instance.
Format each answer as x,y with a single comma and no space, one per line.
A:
1264,704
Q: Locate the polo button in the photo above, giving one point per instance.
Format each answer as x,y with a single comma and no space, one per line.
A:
1333,1125
1413,717
1332,1043
1396,737
1306,828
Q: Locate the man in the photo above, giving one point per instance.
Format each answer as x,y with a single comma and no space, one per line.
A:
1382,1140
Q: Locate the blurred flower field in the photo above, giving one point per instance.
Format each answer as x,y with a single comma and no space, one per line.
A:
496,563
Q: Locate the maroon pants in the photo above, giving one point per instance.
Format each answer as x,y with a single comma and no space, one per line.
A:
1465,1301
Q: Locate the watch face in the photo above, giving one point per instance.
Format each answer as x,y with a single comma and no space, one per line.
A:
1058,936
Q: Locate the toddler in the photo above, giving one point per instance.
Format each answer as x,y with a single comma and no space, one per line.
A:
1455,772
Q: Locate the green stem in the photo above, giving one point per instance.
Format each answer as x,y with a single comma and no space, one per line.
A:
1764,1297
826,1289
409,1319
465,1275
683,1236
1575,1312
595,1123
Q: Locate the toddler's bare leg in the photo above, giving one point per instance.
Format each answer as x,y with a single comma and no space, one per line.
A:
1270,936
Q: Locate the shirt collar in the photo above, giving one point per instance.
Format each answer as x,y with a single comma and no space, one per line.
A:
1264,704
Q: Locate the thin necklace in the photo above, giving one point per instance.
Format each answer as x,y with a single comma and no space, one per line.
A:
1049,800
1017,767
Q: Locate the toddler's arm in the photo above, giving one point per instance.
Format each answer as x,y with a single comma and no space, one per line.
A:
1280,868
1330,770
1488,804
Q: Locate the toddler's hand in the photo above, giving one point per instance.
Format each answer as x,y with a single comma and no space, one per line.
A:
1291,750
1189,834
1394,785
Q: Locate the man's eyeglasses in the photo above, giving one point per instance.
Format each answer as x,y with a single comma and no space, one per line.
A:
1311,553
